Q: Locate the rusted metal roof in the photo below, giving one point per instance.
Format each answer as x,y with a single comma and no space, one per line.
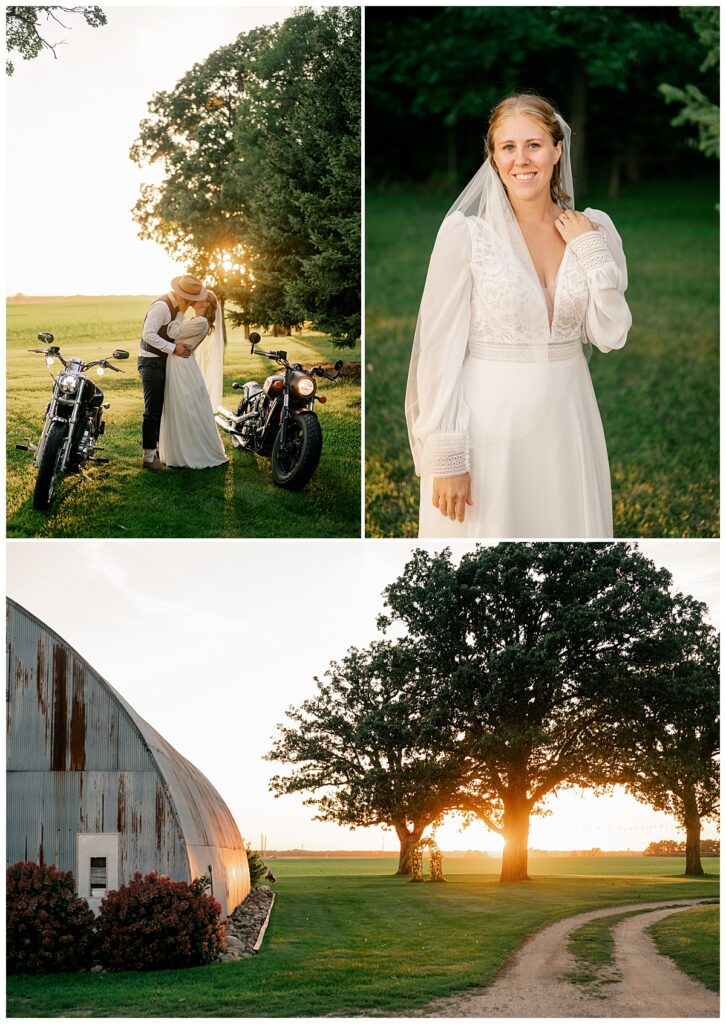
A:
63,717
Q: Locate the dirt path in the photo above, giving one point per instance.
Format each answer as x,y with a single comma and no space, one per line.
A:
535,984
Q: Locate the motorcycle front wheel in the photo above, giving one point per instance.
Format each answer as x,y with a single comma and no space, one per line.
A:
48,466
294,465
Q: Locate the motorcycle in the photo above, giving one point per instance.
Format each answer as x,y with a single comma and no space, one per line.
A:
73,419
277,419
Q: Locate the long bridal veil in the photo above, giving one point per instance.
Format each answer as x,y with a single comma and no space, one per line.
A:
210,358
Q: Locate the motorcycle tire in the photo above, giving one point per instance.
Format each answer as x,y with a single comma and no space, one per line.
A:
294,467
48,467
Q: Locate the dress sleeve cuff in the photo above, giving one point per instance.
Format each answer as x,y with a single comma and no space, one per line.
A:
592,250
445,455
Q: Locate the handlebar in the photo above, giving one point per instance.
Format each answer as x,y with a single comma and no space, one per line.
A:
281,357
54,351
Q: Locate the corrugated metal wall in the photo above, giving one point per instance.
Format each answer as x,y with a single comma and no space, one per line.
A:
80,759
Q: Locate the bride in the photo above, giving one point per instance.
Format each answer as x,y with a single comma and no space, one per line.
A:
503,420
188,435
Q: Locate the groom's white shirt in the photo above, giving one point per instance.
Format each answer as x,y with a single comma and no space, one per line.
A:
157,317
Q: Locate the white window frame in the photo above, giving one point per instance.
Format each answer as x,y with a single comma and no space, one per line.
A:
96,844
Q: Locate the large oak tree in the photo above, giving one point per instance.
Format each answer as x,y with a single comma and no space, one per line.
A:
668,727
529,646
364,751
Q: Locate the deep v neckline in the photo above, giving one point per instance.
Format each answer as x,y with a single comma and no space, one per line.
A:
540,286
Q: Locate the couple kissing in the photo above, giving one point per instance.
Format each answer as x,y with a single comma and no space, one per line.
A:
180,363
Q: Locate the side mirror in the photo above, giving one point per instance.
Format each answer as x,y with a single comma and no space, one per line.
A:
339,365
119,353
46,337
255,339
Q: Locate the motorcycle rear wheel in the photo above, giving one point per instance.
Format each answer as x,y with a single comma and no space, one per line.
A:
48,467
294,467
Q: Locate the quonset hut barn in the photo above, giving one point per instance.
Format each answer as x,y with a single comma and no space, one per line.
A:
93,789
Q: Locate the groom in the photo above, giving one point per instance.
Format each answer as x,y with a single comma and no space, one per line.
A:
155,347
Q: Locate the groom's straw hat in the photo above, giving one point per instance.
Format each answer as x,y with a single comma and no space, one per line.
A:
190,288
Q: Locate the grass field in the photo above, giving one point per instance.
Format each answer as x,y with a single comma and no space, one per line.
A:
658,397
120,499
690,940
347,937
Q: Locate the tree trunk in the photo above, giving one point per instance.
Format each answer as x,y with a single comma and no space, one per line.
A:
451,154
515,826
224,322
614,181
408,839
692,820
578,123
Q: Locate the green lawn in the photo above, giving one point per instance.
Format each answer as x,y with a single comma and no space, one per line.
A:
691,939
120,499
349,938
658,397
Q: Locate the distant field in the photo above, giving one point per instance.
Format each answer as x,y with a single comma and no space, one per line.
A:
120,499
349,938
659,397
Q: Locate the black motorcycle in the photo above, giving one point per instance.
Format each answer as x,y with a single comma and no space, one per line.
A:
73,420
276,419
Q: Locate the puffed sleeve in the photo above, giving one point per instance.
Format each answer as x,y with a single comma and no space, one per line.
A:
600,254
189,332
436,412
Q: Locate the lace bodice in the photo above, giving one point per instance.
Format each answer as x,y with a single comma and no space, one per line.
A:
480,301
189,332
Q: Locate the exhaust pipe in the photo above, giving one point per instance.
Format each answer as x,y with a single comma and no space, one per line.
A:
224,424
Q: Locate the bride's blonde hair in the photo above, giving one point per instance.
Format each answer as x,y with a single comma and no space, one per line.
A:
540,110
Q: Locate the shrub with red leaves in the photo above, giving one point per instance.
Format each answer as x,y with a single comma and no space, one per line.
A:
49,928
154,923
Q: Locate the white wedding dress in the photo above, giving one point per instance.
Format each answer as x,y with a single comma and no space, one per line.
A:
503,392
188,435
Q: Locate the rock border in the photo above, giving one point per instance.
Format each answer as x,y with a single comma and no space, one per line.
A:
247,924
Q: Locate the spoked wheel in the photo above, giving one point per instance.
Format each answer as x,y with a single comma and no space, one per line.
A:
48,467
293,466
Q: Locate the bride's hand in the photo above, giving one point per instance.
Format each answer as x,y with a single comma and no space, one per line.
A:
572,224
451,495
182,350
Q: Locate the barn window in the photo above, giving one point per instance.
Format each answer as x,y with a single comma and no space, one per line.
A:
98,876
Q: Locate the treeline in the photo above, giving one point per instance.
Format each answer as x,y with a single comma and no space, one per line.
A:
675,848
433,74
500,680
260,147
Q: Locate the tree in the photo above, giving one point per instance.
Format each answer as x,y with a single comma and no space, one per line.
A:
433,75
697,109
523,649
362,747
190,132
298,176
23,29
261,193
668,727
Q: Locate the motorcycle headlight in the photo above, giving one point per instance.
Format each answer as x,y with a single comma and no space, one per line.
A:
68,383
305,386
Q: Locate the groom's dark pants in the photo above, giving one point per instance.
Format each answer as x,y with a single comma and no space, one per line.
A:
153,378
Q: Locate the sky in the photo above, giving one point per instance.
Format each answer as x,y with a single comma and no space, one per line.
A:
70,124
211,641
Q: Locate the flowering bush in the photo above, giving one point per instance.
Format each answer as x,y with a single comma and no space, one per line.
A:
49,928
153,923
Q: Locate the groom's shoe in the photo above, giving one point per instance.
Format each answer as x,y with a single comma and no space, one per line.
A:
155,463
